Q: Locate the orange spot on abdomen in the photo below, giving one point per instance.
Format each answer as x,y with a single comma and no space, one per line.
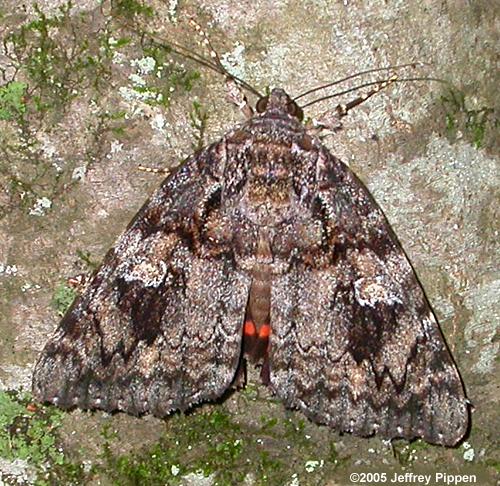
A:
264,331
249,328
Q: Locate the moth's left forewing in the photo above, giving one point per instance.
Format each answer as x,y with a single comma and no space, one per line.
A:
355,344
159,327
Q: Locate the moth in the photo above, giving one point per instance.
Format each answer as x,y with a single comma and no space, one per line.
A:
261,246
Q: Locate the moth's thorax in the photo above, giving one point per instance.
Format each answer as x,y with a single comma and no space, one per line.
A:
274,146
268,193
275,151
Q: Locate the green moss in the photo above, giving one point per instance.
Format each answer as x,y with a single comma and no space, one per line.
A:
12,102
86,258
29,433
166,78
54,59
64,55
59,56
406,453
63,296
216,444
473,123
130,8
199,119
494,464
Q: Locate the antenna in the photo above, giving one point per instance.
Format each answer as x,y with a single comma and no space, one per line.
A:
214,63
361,73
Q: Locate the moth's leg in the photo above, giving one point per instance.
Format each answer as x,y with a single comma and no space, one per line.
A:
235,95
240,378
328,121
331,120
153,170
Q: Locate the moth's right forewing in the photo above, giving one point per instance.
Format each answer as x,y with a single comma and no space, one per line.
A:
355,344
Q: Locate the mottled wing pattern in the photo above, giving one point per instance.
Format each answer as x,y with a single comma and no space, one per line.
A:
354,343
160,326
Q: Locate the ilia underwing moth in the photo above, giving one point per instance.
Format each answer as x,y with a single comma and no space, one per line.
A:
265,246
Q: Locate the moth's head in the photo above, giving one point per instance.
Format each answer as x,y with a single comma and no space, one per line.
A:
278,100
